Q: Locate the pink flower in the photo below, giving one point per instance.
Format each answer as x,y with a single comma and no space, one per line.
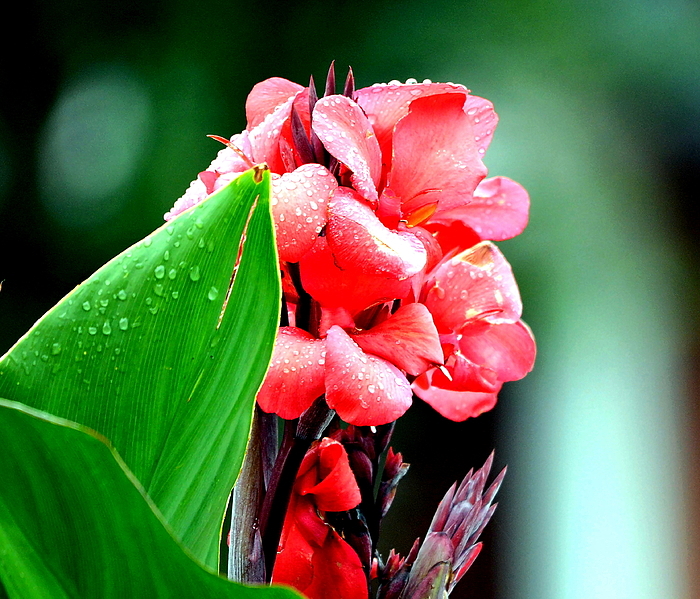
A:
380,197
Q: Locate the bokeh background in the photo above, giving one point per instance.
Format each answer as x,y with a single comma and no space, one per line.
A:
104,108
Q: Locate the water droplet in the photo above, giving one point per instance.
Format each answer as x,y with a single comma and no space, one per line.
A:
172,273
198,223
92,330
213,293
104,303
107,328
210,247
190,233
86,306
122,295
166,255
55,349
148,241
175,294
159,271
149,301
177,244
153,310
117,350
124,324
158,289
170,230
44,358
200,245
194,273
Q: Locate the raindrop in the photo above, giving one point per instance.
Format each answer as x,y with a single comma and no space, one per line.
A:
92,330
166,255
124,324
149,301
107,328
122,295
104,303
198,223
213,293
194,273
86,306
170,230
55,349
158,289
153,310
148,241
160,271
172,273
175,294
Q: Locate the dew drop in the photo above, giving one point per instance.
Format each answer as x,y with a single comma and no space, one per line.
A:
158,289
153,310
172,273
166,255
213,293
86,306
160,271
107,328
104,303
175,294
122,295
170,230
124,324
194,273
198,223
55,349
92,330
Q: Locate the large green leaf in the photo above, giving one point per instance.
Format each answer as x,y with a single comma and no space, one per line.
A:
156,353
74,522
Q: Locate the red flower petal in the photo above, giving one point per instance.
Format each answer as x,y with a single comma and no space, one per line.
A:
508,349
408,339
265,137
266,96
474,284
386,104
435,156
352,290
359,241
335,488
498,211
296,375
299,202
484,120
346,133
363,389
455,405
337,572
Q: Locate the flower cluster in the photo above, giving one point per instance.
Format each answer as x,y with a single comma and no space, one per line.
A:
385,225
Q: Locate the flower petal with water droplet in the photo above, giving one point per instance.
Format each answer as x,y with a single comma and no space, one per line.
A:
296,374
299,208
365,390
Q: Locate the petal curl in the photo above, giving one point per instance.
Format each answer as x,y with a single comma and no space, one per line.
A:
506,348
359,241
299,201
363,389
452,404
347,134
266,96
408,339
475,284
499,210
296,374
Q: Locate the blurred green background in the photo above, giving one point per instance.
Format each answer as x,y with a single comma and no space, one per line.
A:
103,115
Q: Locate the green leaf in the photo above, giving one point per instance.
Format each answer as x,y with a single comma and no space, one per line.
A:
152,353
75,523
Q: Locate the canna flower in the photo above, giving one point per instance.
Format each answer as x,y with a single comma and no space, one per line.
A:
384,222
312,557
